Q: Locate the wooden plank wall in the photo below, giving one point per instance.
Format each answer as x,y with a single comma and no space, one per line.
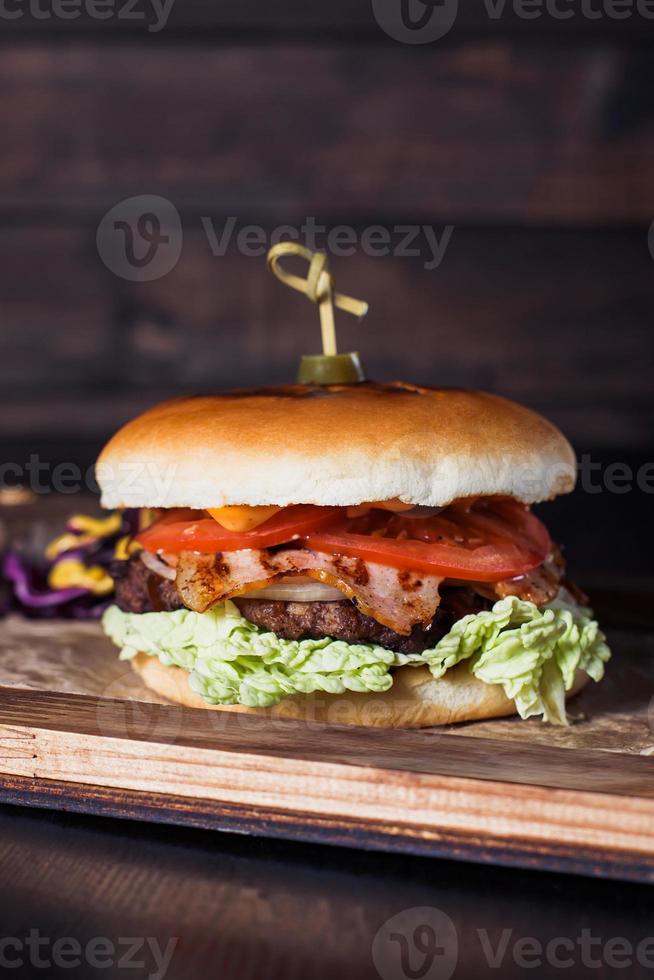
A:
534,141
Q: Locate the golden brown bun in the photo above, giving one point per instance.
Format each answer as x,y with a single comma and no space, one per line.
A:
416,700
338,445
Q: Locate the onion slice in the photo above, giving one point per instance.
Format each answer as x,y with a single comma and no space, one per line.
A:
157,566
299,588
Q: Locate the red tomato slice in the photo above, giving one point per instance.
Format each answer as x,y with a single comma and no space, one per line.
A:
177,531
474,542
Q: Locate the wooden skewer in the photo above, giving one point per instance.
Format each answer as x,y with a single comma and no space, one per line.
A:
318,287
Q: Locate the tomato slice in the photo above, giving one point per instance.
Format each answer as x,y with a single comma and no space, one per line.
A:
484,541
183,530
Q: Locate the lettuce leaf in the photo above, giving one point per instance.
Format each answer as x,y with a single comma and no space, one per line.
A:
534,654
231,661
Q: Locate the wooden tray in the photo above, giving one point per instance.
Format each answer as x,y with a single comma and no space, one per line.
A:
508,792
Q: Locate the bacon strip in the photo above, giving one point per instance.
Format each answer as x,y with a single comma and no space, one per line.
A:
397,598
539,586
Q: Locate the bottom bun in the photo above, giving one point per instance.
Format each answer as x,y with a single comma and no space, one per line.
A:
416,699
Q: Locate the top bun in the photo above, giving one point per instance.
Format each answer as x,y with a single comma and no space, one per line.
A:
338,445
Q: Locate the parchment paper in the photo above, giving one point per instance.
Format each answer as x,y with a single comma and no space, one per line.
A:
616,715
73,657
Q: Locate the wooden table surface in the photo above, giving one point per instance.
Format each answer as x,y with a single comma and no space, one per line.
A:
253,908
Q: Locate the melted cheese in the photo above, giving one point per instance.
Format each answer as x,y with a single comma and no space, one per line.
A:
241,518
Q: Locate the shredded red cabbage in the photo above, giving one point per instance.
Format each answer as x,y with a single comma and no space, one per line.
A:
26,586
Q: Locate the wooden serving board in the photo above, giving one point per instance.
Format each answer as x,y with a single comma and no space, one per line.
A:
77,731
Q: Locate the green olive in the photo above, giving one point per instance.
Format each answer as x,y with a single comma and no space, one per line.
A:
330,369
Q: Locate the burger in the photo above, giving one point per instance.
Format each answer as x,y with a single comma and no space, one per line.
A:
351,553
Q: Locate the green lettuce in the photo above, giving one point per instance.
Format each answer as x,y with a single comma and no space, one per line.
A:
534,654
231,661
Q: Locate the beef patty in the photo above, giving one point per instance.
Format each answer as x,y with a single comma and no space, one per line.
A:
139,590
343,621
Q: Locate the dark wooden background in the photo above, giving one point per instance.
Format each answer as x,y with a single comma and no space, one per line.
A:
252,909
534,139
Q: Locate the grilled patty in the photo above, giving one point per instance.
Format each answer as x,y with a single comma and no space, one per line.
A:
139,590
343,621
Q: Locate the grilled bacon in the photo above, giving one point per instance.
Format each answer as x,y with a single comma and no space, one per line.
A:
394,597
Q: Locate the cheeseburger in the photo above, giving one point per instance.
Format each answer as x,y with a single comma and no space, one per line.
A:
356,553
